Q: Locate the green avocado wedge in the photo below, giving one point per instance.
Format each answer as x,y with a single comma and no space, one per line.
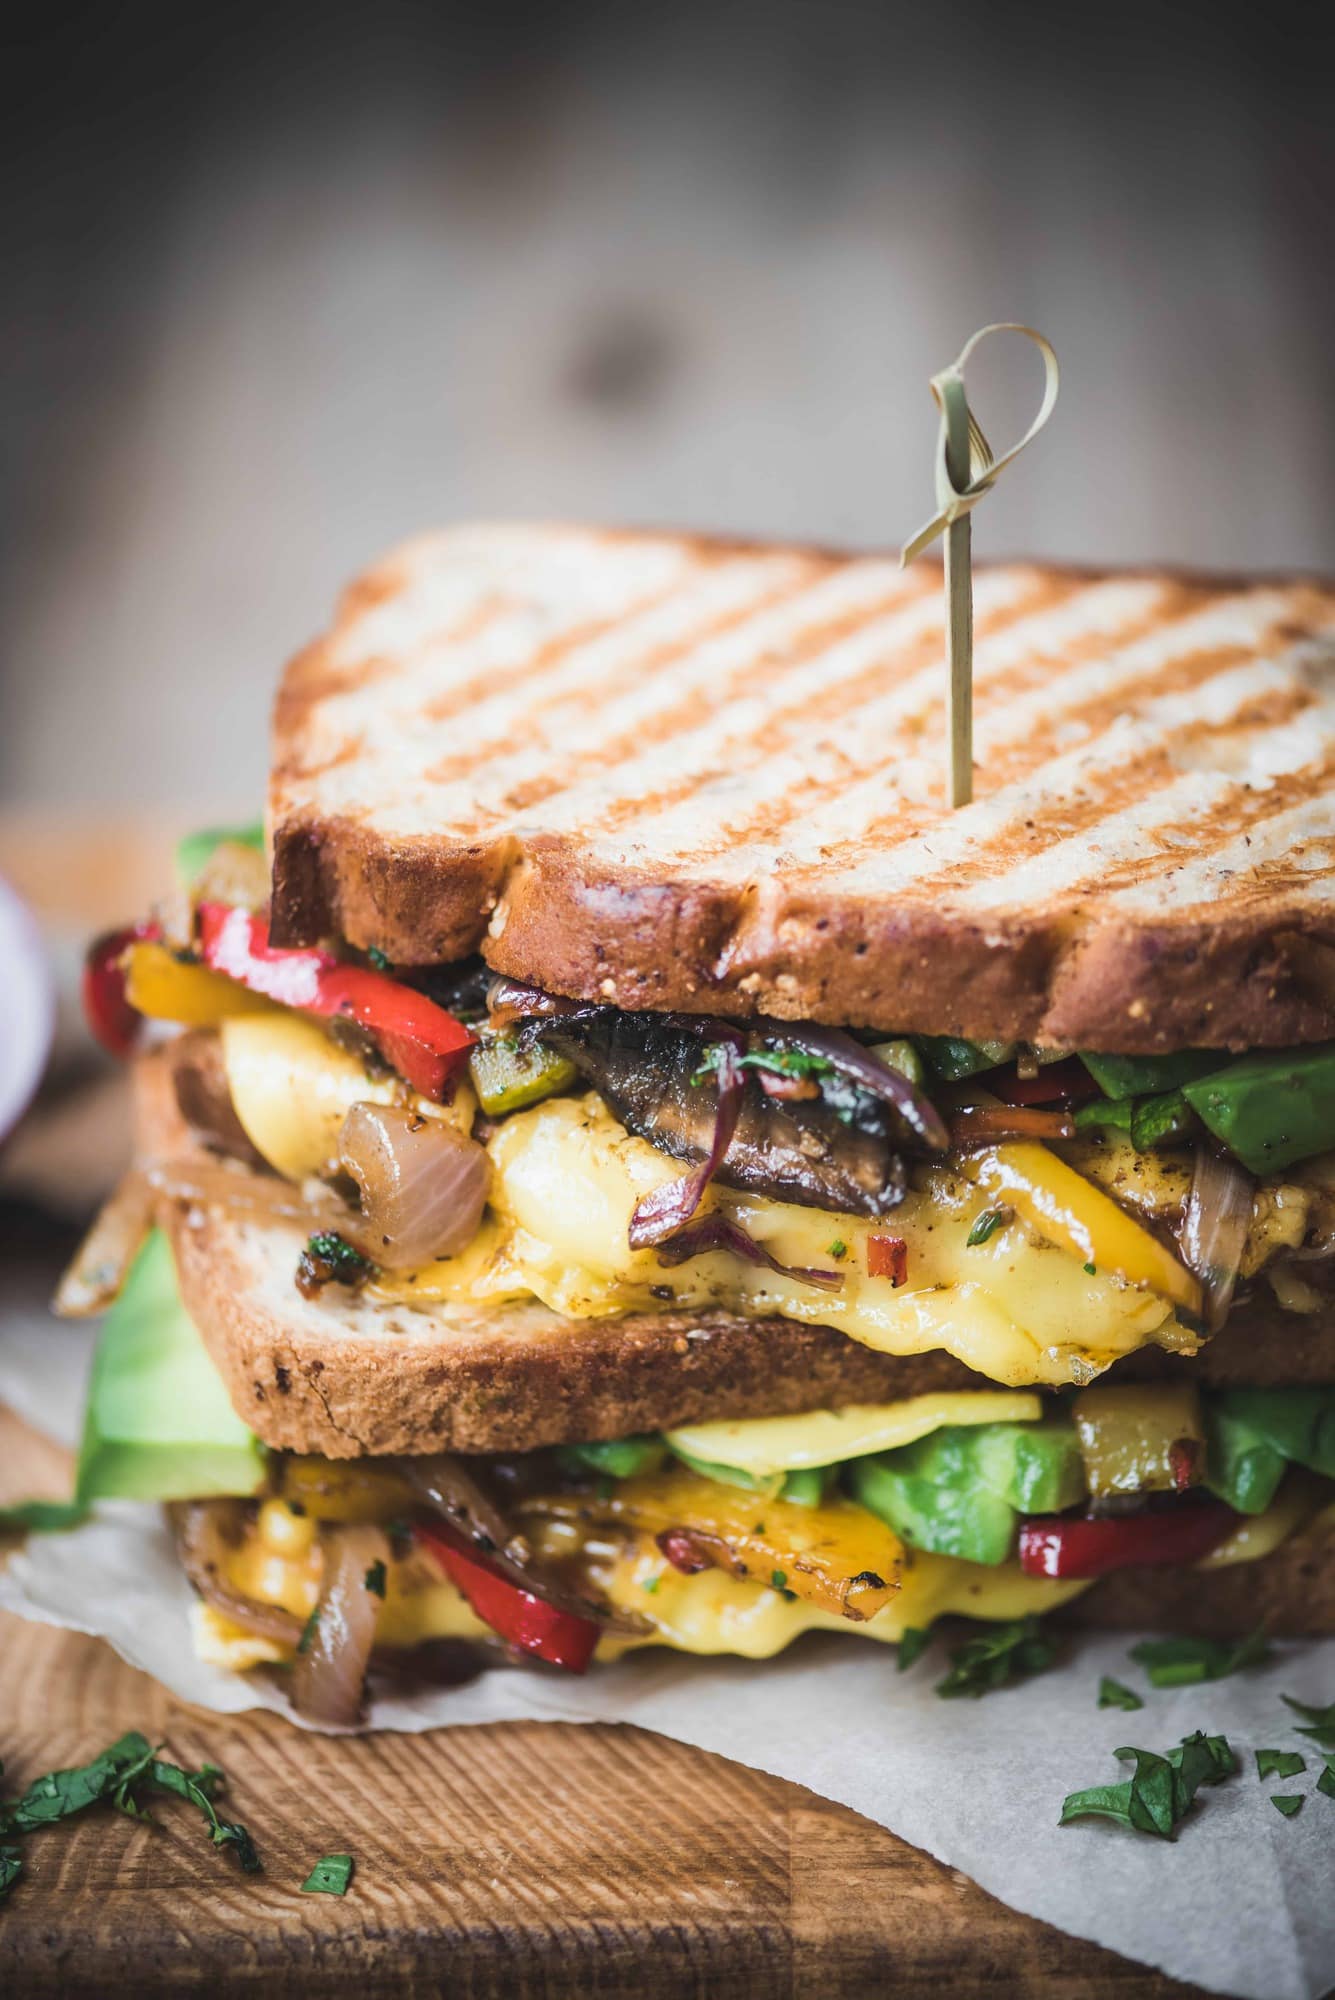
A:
159,1425
194,851
1271,1108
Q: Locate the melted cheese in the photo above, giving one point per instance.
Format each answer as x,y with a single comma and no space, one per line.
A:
1051,1297
292,1087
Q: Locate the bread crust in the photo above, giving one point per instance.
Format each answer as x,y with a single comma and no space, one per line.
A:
805,932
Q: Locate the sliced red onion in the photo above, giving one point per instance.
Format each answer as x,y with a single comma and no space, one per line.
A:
30,1009
423,1184
329,1678
1214,1229
851,1059
717,1231
509,1000
206,1531
446,1486
670,1207
102,1262
980,1126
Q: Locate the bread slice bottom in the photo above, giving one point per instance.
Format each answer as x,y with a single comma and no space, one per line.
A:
344,1376
1291,1592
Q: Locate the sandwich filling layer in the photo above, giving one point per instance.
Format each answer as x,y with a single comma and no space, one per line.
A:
446,1140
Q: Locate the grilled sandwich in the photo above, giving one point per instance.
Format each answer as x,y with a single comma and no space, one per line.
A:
632,1166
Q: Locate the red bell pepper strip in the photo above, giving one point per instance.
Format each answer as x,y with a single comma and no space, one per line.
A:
1082,1546
1066,1082
515,1615
422,1041
116,1024
888,1257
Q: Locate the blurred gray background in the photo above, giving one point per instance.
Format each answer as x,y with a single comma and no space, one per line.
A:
284,284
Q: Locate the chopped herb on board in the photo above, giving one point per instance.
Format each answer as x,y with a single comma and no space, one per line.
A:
1112,1694
123,1776
1279,1763
1320,1721
1289,1803
914,1643
998,1655
1173,1663
330,1876
1161,1790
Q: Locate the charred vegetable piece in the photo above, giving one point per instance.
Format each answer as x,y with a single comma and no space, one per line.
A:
1140,1440
839,1149
1271,1108
951,1058
523,1620
1144,1076
507,1077
836,1556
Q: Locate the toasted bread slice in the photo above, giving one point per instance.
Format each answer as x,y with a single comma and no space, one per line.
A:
673,772
346,1375
1291,1592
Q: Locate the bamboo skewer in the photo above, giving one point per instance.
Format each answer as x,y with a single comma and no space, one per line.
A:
965,470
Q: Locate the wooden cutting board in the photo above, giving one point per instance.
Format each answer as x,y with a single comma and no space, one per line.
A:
521,1860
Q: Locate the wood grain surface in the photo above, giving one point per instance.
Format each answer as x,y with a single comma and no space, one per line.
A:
521,1861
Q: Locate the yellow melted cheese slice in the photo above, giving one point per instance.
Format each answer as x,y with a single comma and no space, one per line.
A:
1020,1307
764,1446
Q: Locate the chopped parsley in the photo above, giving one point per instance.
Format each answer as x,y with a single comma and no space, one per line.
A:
329,1259
998,1655
1112,1694
837,1249
41,1517
375,1577
987,1224
1161,1790
913,1644
1289,1803
308,1632
1173,1663
120,1776
1279,1763
651,1583
377,958
1091,1270
330,1876
779,1062
778,1580
1320,1721
1326,1782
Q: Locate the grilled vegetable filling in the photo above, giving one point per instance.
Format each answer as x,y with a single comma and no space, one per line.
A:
446,1136
559,1557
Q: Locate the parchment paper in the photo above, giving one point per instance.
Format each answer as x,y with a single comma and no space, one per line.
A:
1242,1902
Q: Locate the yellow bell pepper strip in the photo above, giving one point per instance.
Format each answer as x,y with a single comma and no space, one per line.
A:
1062,1205
837,1556
162,988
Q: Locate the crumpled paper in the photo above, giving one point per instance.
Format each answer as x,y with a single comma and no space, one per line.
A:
1240,1903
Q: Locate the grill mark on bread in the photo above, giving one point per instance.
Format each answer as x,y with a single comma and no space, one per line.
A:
766,833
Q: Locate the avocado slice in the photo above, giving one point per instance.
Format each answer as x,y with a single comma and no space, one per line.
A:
1243,1468
614,1458
159,1425
1143,1076
960,1491
1273,1107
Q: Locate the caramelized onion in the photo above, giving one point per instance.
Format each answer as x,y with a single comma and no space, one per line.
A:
987,1122
102,1262
446,1487
423,1184
880,1078
1214,1228
329,1678
206,1530
717,1231
669,1208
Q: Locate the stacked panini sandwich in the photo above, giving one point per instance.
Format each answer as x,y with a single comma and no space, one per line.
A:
620,1162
